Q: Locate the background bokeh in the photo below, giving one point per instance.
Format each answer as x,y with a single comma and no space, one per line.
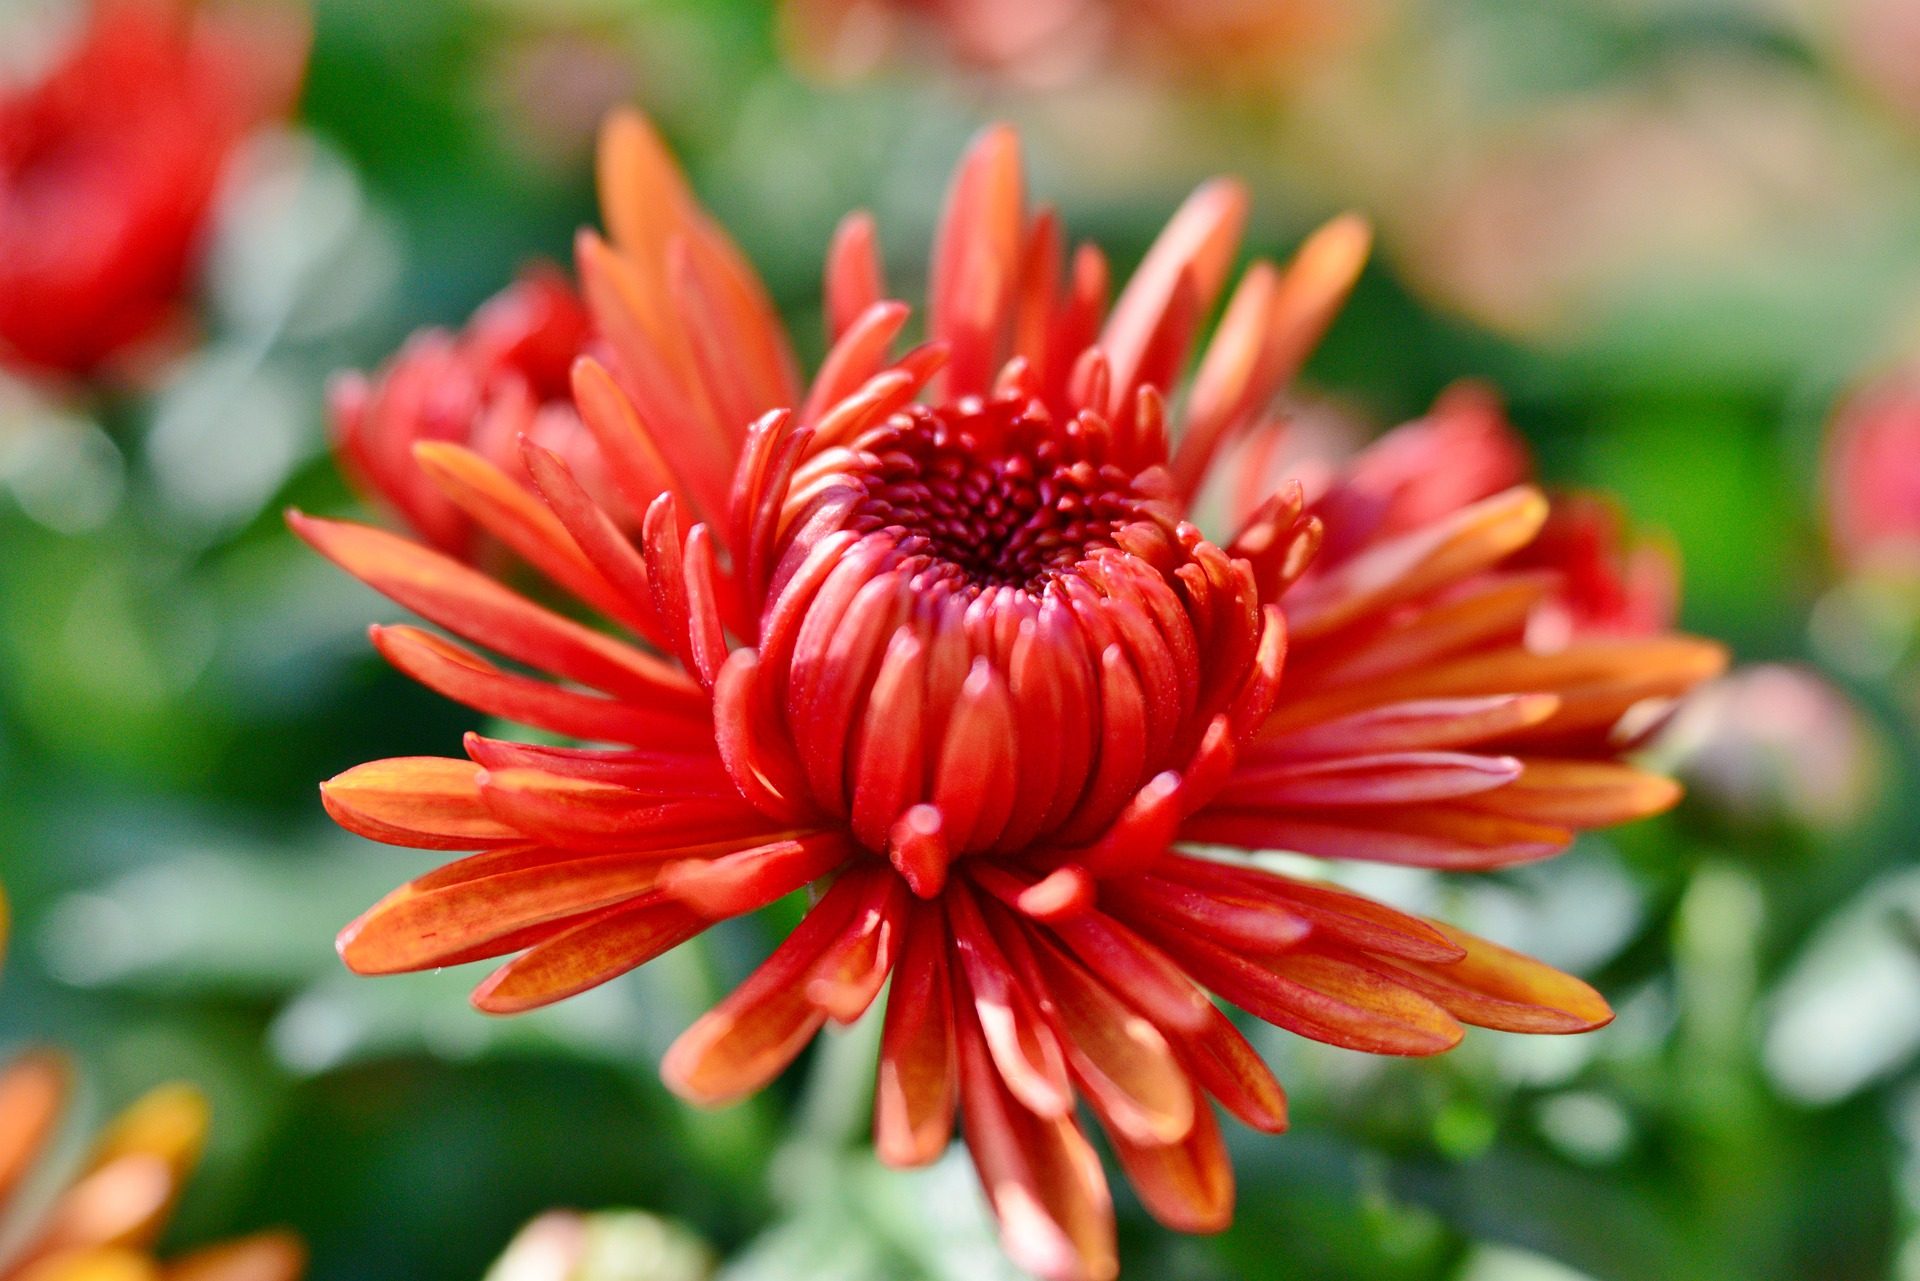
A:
1673,232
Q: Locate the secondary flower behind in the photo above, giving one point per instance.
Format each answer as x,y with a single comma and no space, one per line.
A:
934,634
503,376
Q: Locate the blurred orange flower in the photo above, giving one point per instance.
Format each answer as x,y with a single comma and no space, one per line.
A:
110,162
101,1224
935,634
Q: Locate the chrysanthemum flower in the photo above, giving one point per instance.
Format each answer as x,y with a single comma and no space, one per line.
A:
1872,477
934,635
102,1224
502,377
110,162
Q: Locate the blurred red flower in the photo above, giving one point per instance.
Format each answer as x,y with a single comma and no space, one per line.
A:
1872,476
110,162
935,634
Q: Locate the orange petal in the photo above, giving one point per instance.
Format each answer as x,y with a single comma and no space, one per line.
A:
976,260
1024,1049
749,1038
856,965
1197,245
1128,1070
1420,725
426,802
1041,1176
1438,835
514,515
1496,987
431,922
91,1265
742,881
1581,794
581,812
124,1202
1322,997
33,1090
467,602
169,1122
1228,1068
267,1256
600,948
1415,563
1391,778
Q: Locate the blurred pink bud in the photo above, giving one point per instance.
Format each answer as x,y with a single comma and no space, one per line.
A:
1872,480
1776,742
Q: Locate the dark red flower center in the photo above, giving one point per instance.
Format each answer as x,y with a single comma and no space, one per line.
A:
993,493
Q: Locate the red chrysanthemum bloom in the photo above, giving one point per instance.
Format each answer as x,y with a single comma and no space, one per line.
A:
934,635
504,376
1872,477
103,1222
109,166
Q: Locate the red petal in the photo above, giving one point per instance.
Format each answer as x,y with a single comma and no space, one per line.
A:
917,1088
750,1037
1188,1185
1041,1176
1025,1050
1129,1072
1323,998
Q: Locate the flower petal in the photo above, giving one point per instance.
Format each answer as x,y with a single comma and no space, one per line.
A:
426,802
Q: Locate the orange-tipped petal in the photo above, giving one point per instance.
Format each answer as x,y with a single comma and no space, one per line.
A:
445,918
601,948
1496,987
1041,1176
1582,794
426,802
749,1038
467,602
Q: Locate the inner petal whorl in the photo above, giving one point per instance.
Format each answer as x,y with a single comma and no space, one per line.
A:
991,620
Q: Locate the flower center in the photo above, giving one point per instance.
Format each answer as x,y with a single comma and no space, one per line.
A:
992,495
